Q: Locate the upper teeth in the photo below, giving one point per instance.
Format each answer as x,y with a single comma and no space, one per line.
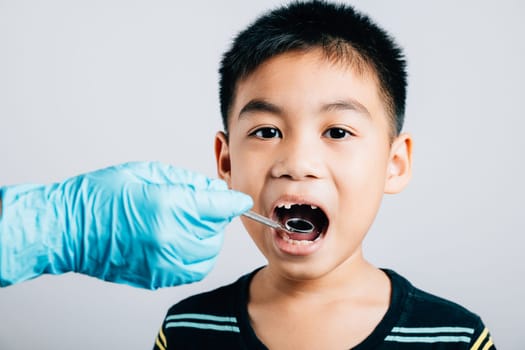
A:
289,206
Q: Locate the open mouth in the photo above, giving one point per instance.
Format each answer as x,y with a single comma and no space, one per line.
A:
286,213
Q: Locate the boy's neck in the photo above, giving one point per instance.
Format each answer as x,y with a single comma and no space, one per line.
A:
354,278
338,310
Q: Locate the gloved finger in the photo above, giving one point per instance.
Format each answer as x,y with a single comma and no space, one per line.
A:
166,256
190,249
165,174
197,270
175,273
162,274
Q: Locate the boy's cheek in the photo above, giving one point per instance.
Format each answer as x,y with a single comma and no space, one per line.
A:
239,183
248,183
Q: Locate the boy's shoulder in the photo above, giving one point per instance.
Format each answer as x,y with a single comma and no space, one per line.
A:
211,320
419,316
419,305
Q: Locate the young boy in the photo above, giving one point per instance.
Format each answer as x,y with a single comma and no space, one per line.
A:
312,99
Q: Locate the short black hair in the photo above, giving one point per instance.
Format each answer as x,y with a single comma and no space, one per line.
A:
338,29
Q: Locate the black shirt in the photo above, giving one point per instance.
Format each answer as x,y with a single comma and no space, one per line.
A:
414,320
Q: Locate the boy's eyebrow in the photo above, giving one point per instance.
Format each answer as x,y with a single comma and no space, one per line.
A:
258,105
348,104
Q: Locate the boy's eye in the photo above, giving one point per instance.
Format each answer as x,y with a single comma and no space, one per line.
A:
266,133
337,133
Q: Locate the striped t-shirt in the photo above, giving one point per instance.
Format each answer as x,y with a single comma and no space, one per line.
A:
414,320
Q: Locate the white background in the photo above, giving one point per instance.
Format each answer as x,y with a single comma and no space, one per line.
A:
87,84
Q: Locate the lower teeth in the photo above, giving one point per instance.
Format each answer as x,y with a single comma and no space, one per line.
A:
302,242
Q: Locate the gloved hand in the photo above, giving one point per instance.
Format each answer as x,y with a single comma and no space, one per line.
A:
148,225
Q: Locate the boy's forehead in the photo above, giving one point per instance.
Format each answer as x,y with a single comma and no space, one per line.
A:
308,72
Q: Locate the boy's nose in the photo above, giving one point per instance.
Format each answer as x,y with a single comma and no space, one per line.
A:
298,160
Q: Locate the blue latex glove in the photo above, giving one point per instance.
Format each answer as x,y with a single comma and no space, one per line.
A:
148,225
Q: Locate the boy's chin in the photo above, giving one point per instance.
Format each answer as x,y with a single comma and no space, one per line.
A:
299,272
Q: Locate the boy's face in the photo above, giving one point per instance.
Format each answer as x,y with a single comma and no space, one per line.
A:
304,130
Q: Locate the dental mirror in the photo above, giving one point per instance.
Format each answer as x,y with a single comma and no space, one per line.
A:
299,225
294,225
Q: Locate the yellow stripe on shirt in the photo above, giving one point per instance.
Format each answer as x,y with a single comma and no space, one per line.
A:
163,337
488,345
161,347
161,340
480,340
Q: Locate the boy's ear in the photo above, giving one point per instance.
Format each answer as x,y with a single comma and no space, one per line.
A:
399,171
222,157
